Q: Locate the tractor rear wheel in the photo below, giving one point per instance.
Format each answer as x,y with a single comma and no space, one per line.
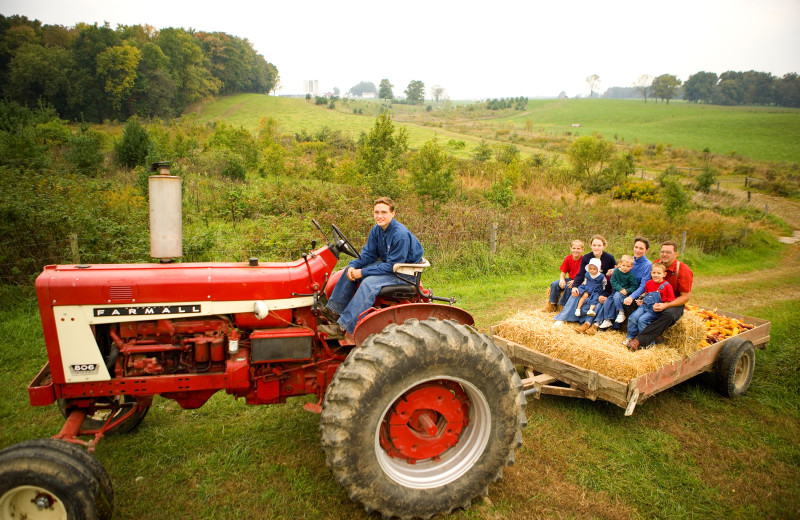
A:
39,479
421,418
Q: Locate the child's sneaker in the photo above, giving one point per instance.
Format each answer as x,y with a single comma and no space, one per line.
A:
625,341
606,324
558,323
620,317
578,312
591,312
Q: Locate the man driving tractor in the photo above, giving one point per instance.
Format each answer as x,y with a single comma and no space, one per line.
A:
389,243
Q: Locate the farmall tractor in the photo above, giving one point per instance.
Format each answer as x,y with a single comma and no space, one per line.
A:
419,411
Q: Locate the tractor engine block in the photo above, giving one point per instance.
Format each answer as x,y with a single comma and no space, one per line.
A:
169,347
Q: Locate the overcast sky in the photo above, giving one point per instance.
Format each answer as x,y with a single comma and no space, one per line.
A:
475,50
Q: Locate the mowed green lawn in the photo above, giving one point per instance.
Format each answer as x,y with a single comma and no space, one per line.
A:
764,133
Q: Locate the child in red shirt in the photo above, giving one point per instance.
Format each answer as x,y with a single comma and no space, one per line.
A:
569,268
657,290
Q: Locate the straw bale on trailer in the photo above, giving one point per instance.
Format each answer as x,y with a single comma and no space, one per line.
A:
603,352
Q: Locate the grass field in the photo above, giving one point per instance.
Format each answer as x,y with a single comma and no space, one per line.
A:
295,115
687,453
763,133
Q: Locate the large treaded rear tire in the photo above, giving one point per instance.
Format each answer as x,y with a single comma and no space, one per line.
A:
377,382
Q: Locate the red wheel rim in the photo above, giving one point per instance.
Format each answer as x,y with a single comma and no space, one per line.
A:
425,421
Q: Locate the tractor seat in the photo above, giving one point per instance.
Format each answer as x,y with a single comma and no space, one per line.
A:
408,281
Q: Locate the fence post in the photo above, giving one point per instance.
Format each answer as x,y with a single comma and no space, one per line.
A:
766,209
683,242
493,239
748,196
745,181
73,246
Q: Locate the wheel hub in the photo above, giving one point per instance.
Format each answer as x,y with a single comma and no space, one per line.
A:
425,422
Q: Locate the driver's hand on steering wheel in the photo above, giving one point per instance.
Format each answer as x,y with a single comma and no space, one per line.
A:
353,274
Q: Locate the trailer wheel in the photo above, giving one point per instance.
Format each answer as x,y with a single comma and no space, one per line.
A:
421,418
39,480
117,406
734,368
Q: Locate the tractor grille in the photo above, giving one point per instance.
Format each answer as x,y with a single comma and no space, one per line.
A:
124,293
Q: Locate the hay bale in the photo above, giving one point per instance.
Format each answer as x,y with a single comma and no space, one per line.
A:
603,352
687,335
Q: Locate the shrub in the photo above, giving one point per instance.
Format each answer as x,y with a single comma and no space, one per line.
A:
134,147
432,173
85,151
706,179
636,191
238,140
507,153
500,193
483,152
676,201
670,174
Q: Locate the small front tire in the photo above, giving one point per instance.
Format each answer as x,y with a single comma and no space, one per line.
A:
41,480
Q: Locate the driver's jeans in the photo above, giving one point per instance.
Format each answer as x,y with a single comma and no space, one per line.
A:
350,299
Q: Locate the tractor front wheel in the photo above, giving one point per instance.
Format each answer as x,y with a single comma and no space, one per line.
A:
43,480
421,418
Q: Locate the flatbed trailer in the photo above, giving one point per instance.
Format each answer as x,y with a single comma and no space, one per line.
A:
732,360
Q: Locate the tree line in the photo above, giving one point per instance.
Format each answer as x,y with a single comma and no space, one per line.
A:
96,73
729,88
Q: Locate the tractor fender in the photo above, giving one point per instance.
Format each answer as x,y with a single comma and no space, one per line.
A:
378,320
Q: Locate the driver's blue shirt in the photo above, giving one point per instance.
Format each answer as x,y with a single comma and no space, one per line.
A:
393,245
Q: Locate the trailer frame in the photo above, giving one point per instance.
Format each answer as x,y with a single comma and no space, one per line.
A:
542,371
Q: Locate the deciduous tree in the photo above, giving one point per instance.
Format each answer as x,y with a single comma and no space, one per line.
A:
116,66
432,173
415,92
386,90
700,87
589,155
665,87
643,85
593,82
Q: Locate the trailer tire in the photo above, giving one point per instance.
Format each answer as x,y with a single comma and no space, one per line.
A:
735,365
97,420
38,479
421,418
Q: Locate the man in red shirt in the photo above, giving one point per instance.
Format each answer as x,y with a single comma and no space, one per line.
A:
680,277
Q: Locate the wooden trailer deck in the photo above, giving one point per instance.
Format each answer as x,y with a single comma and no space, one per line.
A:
543,370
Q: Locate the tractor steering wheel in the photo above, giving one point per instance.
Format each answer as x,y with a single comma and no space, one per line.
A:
342,244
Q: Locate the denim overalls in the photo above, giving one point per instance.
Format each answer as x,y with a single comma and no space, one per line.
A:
644,315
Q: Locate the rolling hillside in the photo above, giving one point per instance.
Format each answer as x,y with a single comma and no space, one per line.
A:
761,133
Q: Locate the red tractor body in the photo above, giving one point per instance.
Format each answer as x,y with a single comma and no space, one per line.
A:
419,411
185,330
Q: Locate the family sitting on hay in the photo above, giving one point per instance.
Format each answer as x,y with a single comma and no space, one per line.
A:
601,293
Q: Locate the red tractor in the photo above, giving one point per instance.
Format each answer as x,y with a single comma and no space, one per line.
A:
419,411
